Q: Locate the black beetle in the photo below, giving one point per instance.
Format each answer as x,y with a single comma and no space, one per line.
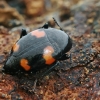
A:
38,49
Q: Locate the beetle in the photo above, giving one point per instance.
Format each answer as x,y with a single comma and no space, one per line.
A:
41,48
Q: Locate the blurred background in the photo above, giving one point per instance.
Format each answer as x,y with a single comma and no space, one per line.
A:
33,12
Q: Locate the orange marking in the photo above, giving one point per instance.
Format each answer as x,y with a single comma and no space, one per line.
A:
15,47
38,33
24,64
48,55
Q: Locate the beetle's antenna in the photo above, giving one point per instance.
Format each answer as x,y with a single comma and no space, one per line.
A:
57,23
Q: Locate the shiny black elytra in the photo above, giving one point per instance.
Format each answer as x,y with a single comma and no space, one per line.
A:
33,52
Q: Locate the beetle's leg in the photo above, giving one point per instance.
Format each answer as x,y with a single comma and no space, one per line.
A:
70,58
49,70
45,26
65,56
34,87
23,33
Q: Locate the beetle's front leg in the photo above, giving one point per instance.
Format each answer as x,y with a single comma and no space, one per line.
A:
45,26
66,56
44,73
23,33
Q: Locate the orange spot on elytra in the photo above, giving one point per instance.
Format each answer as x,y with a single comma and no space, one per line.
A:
24,64
38,33
15,47
47,55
